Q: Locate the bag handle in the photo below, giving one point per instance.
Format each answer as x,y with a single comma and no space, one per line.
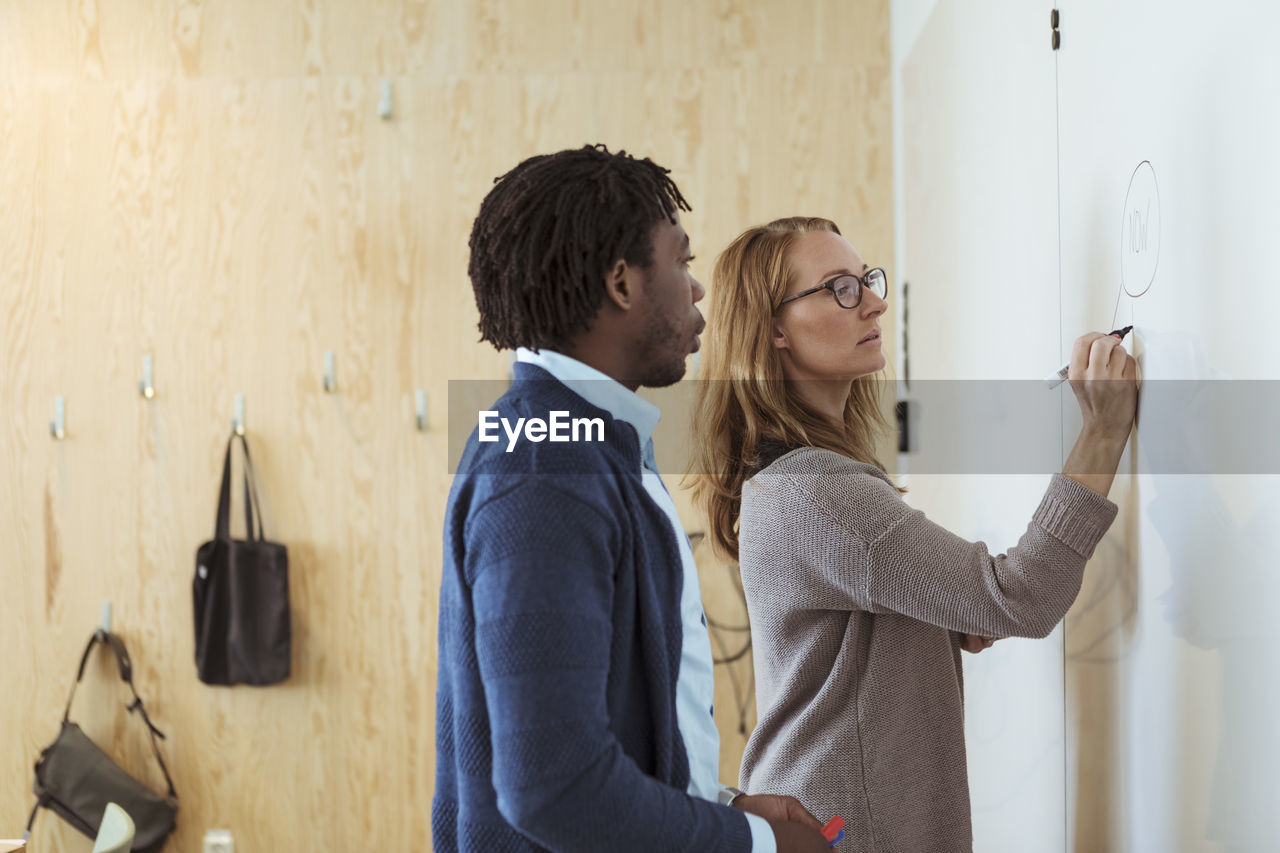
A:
31,821
222,525
251,491
126,674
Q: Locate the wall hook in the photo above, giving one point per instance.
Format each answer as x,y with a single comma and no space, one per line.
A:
420,405
58,426
330,381
147,384
384,105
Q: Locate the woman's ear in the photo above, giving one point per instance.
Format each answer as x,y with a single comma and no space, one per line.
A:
778,336
618,287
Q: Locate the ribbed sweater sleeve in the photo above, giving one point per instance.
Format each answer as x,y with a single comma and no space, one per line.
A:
541,560
865,547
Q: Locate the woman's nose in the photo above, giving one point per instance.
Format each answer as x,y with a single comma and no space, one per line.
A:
872,304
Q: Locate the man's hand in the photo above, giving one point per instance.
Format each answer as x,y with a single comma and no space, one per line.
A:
792,837
795,830
773,807
975,643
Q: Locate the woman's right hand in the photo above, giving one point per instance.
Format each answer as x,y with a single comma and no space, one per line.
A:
1109,406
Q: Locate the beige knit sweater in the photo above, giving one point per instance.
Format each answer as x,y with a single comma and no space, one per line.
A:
855,600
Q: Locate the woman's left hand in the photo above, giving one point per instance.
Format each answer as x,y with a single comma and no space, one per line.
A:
974,643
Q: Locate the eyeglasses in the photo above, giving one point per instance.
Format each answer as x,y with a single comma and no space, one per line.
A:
848,288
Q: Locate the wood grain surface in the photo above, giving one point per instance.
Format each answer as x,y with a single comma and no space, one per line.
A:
210,184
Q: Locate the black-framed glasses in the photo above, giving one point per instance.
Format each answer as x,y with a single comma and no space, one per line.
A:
847,288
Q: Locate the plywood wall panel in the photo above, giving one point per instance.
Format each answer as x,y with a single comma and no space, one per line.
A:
210,184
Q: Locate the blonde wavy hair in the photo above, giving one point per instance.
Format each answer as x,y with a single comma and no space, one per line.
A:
744,402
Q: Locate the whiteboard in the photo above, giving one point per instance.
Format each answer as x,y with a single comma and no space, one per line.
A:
979,252
1173,689
1126,178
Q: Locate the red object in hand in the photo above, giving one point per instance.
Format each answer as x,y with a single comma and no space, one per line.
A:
833,827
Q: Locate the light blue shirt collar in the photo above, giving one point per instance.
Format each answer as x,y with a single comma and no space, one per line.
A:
598,389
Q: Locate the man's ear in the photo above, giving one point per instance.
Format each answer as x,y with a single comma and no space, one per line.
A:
778,336
619,286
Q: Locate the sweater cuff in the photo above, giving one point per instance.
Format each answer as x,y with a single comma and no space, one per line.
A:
1075,515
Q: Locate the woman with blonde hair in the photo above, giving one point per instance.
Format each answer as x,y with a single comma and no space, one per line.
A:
859,604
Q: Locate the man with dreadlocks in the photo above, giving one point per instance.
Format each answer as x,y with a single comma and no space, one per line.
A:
574,691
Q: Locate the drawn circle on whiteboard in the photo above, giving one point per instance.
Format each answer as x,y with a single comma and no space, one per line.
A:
1140,231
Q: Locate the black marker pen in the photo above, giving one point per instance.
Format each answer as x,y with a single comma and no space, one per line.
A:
1055,379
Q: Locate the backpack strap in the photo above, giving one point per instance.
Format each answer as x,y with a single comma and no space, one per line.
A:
126,675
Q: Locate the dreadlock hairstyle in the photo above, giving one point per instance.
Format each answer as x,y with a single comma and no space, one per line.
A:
549,232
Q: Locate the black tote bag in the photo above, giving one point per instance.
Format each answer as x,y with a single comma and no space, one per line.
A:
241,594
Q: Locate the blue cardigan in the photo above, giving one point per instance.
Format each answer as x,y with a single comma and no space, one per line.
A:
559,650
